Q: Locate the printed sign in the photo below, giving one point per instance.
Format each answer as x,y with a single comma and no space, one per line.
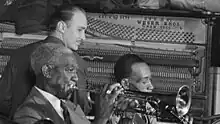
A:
161,23
147,22
179,29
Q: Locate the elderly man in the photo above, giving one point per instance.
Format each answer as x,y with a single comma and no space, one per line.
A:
56,69
67,28
131,68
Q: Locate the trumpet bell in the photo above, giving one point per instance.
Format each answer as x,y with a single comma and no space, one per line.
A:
183,100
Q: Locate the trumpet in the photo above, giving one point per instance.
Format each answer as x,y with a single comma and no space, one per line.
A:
164,104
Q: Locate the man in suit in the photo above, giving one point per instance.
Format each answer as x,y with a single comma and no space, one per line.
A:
67,28
133,69
56,68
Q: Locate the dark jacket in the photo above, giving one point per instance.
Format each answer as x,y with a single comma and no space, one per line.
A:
37,107
18,78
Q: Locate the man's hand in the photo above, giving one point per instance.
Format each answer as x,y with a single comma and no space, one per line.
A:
107,101
189,120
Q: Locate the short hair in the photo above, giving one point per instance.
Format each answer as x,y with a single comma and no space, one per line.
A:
122,68
64,13
47,54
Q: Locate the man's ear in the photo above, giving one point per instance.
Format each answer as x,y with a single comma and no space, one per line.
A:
125,83
46,71
61,26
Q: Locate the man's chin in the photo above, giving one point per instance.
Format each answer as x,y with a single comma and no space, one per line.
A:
146,91
66,97
74,47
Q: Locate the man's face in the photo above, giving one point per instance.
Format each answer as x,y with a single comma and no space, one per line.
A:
141,77
64,76
75,32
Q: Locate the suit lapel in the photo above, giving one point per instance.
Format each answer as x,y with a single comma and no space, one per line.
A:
46,108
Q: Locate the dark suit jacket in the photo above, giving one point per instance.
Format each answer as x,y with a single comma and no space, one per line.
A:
37,107
18,78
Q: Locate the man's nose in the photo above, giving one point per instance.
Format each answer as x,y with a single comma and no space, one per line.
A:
74,77
83,36
150,86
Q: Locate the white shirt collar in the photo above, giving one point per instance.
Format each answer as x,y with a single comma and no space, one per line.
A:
54,101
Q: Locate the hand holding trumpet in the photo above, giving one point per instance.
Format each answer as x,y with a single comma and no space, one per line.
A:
107,100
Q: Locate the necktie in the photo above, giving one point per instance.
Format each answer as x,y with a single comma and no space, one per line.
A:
66,114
